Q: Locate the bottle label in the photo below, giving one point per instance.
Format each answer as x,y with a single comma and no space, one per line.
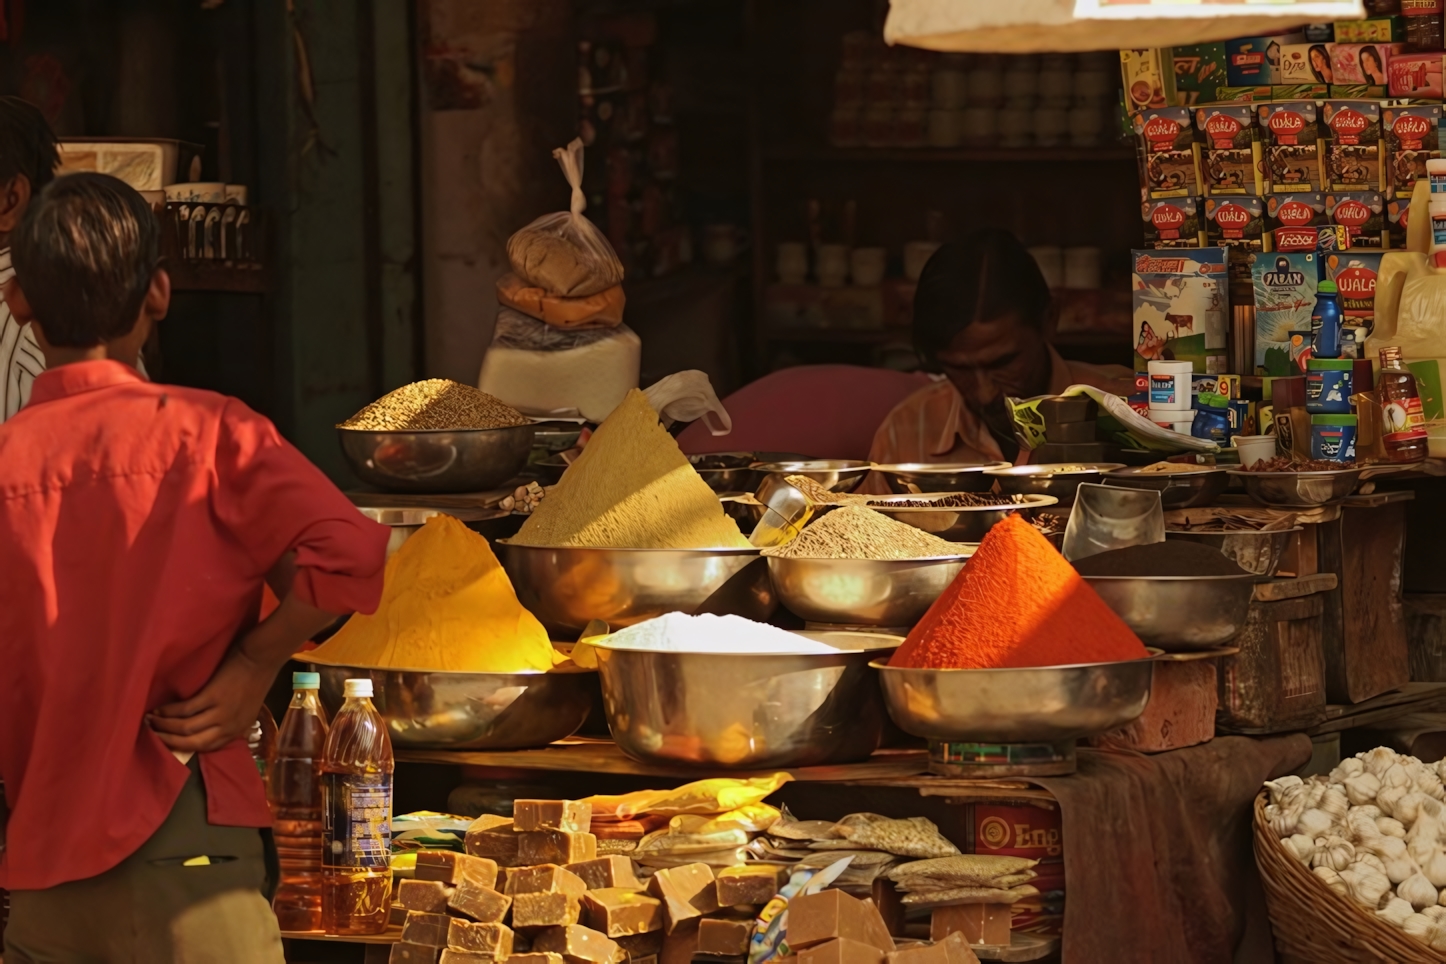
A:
1404,420
357,815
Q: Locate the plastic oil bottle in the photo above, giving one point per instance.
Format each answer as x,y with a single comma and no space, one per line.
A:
293,788
356,788
1404,427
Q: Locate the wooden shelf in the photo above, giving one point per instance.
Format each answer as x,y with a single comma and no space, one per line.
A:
390,936
853,336
970,155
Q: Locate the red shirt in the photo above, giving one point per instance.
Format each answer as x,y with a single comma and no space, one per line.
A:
137,522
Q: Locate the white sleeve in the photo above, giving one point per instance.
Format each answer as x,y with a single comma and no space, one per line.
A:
20,363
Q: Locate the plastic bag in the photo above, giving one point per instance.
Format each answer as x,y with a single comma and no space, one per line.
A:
687,396
548,372
601,310
716,795
564,253
515,329
911,837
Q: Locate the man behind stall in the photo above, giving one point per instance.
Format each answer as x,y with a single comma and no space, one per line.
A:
137,524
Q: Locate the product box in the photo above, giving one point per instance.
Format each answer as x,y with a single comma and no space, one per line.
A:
1146,82
1362,215
1300,91
1293,222
1320,33
1227,385
1415,75
1172,159
1199,69
1238,224
1372,30
1181,306
1230,156
1398,214
1256,60
1356,92
1355,277
1248,95
1284,287
1413,137
1173,223
1362,63
1307,63
1241,415
1291,137
1354,145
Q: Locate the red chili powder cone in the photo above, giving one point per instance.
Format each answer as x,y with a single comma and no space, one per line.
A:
1017,603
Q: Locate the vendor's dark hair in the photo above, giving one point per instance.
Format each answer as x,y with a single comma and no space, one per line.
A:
27,144
84,254
986,275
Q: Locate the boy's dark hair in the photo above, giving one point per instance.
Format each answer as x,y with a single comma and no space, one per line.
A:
27,144
986,275
84,255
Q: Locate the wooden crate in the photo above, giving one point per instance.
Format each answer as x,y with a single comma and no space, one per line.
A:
1426,636
1277,682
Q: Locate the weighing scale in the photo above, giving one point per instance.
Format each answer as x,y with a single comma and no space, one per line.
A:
985,761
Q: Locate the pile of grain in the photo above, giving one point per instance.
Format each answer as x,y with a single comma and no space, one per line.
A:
434,404
632,488
954,500
854,532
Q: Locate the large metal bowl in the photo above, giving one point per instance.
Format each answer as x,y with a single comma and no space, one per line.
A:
566,587
404,523
1178,490
1298,490
747,712
862,592
905,477
727,471
1046,704
1048,478
837,475
469,711
462,460
1256,552
1179,613
956,523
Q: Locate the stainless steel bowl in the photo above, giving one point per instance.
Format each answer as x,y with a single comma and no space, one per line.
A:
838,475
727,471
469,711
1178,490
1256,552
956,523
1046,704
1298,489
743,509
1057,479
906,477
862,592
1179,613
465,460
556,436
747,712
569,586
405,522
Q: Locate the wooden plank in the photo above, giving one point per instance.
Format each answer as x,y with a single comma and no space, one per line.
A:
1411,693
1364,632
390,936
1279,589
1372,500
602,756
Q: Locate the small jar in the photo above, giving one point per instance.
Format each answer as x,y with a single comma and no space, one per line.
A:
1056,81
1021,81
1328,386
1016,128
845,127
946,128
848,88
1333,437
911,127
877,126
986,82
1091,86
1050,125
916,85
949,83
884,85
792,262
833,265
980,126
1085,126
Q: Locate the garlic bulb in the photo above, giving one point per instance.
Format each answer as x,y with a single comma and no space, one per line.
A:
1409,806
1333,852
1365,810
1387,799
1391,827
1314,823
1368,859
1418,890
1400,867
1301,847
1418,926
1367,885
1333,881
1348,768
1379,760
1395,912
1434,867
1437,912
1335,803
1396,775
1362,788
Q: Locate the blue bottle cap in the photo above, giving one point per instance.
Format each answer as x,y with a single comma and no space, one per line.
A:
306,681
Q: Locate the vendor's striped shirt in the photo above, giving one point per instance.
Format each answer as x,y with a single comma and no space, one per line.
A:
20,358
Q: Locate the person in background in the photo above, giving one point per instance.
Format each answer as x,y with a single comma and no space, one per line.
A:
138,523
983,317
28,158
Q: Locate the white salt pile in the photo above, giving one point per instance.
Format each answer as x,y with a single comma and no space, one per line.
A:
681,633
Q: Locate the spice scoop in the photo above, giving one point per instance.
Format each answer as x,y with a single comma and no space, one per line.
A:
1107,517
785,512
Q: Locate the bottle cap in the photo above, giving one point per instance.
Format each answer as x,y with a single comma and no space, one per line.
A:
1325,288
357,688
306,681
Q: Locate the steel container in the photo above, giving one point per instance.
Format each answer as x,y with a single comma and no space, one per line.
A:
956,523
1179,613
1299,490
862,592
727,471
1057,479
837,475
906,477
454,460
1178,490
1256,551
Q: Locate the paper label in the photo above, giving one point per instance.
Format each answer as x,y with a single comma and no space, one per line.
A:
1404,421
357,815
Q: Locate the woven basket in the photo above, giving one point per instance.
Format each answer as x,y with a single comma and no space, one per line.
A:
1314,924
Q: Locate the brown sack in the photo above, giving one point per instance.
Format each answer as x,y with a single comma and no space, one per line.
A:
602,310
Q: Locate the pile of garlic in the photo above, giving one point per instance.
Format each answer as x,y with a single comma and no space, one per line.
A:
1374,830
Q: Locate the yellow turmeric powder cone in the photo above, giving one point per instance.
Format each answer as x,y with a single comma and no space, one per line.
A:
447,605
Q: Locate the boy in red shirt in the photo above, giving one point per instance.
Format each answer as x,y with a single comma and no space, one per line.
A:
137,524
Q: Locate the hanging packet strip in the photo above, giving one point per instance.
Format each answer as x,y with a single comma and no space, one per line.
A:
769,932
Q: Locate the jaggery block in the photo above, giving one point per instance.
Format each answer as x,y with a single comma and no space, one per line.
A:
978,924
618,913
841,950
494,940
604,872
405,953
479,902
578,945
452,955
724,937
544,879
492,837
680,944
748,883
641,945
570,815
424,896
397,916
554,847
815,918
545,910
951,950
686,892
450,867
536,957
428,929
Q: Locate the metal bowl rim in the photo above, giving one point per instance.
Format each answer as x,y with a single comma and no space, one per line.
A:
957,557
1313,474
1138,472
818,465
720,551
573,670
938,468
1154,651
1233,532
718,455
1047,469
432,431
1032,500
898,641
1247,575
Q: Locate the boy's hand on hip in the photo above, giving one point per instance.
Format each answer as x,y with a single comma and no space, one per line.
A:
222,712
